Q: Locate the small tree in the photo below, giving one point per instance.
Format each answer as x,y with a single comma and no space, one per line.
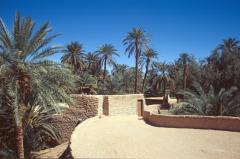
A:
28,76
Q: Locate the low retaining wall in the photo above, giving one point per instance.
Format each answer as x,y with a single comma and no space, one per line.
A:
193,121
154,100
85,106
123,104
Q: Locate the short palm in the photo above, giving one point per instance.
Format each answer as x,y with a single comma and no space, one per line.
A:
225,102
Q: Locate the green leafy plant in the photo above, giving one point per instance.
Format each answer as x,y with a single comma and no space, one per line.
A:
39,133
196,101
27,75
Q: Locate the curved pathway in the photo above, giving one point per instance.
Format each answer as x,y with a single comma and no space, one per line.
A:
128,137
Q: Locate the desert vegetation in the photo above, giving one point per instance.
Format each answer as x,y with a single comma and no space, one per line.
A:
31,85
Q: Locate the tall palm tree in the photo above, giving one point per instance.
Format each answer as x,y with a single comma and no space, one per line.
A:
135,40
229,44
106,52
185,60
73,55
27,75
148,56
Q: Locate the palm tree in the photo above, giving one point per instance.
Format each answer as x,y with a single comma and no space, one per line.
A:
148,56
162,67
135,40
224,102
119,68
27,75
122,75
229,45
37,128
185,58
90,59
106,53
73,55
93,63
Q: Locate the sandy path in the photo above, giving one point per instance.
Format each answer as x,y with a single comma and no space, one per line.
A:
127,137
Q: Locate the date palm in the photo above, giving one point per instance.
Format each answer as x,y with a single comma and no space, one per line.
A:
106,53
148,56
27,75
197,101
120,68
185,59
122,73
73,55
37,128
93,63
135,41
163,79
229,44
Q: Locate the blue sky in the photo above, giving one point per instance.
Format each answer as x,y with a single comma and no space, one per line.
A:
175,26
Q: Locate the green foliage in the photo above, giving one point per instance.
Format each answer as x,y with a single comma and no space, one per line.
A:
121,81
136,35
176,70
38,131
74,55
225,102
27,77
135,41
160,82
221,68
106,54
25,66
92,64
147,58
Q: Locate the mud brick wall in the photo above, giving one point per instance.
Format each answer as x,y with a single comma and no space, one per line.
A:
193,121
105,106
84,107
123,104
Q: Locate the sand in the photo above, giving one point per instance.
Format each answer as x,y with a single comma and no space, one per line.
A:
128,137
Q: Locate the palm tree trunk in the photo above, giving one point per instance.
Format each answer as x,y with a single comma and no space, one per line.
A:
164,87
18,127
105,68
145,75
136,71
220,111
185,78
74,64
19,142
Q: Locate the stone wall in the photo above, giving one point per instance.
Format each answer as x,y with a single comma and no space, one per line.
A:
123,104
85,106
193,121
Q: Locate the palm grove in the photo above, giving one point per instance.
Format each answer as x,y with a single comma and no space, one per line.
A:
31,85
